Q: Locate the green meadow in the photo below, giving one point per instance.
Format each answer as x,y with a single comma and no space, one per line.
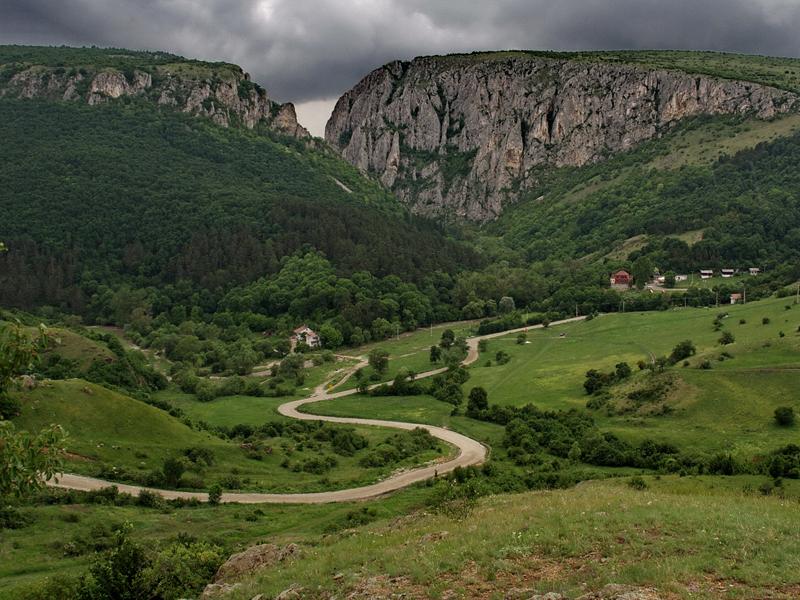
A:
116,437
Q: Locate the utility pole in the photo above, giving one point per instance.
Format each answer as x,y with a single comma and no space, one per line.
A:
576,310
744,293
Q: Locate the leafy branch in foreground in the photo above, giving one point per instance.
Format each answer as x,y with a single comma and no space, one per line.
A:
28,459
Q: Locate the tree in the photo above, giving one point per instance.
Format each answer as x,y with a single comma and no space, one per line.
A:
622,371
784,416
478,401
362,385
669,279
506,305
641,270
29,459
726,338
242,358
18,354
682,351
379,360
215,494
173,470
448,338
436,354
522,338
331,336
574,454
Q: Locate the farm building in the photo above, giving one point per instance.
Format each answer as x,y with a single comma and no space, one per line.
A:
681,277
754,270
728,272
736,298
706,273
621,279
305,335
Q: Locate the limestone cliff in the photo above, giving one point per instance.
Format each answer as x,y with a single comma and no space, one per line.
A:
224,93
463,135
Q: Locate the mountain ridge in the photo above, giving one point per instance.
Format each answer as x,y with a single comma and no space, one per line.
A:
461,135
222,92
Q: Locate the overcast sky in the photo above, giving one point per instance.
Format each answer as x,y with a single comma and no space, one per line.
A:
310,51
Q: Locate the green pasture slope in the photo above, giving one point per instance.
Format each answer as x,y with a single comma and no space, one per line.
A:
110,432
727,407
702,541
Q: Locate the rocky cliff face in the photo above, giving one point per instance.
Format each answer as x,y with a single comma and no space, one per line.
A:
460,135
225,95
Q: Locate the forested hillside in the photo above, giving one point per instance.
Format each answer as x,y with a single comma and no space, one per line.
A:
121,193
738,210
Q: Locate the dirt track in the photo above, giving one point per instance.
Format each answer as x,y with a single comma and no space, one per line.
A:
470,452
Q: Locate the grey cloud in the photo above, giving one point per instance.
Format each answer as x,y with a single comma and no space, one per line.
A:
304,50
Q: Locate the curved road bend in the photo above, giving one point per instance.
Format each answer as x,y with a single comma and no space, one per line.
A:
470,452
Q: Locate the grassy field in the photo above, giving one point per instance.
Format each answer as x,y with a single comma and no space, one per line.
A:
412,409
41,549
110,431
409,351
729,406
682,538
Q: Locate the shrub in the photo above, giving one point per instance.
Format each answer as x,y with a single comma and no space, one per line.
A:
173,469
682,351
784,416
522,338
215,494
726,338
765,321
637,483
148,499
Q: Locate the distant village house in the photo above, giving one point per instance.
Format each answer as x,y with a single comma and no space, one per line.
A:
754,271
305,335
736,298
681,277
621,279
728,272
706,273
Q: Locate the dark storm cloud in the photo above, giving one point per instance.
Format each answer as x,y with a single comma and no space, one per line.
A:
312,49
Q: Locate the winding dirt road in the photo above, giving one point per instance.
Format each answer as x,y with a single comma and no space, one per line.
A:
470,452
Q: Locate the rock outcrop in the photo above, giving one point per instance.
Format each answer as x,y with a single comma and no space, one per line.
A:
461,135
223,94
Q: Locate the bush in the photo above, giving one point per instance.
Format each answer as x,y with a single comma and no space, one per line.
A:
726,338
637,483
765,321
215,494
682,351
784,416
173,469
148,499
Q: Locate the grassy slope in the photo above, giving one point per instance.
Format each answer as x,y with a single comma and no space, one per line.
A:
29,554
108,428
409,351
569,541
728,407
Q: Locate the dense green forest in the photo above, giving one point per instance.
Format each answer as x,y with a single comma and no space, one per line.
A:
126,194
